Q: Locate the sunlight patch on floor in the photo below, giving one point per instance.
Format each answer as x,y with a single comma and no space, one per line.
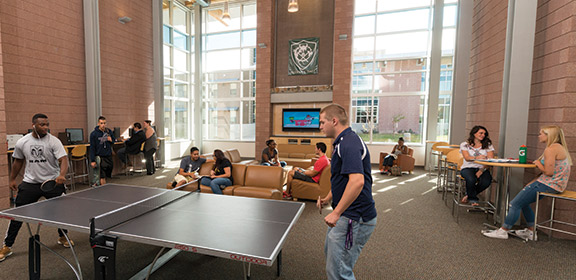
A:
387,188
386,180
387,210
160,177
415,178
433,188
406,201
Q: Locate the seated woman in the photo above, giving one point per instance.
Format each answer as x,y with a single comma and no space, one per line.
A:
388,161
555,165
220,175
478,178
270,155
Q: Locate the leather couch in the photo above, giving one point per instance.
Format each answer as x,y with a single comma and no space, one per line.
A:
234,156
254,181
296,155
405,161
308,190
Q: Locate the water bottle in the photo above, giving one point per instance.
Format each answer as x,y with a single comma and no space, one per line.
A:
522,154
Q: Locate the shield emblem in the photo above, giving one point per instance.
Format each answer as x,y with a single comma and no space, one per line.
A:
303,56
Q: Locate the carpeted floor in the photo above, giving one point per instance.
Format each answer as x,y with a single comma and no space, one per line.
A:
416,238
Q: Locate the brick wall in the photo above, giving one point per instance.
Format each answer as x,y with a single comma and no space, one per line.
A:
126,62
552,99
43,61
342,76
264,72
486,66
4,190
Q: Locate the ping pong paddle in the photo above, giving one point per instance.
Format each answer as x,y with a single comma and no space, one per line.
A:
48,185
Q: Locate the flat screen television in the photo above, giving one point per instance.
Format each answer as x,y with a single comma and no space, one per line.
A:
302,120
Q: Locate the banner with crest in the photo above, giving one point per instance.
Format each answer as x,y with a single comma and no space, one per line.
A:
303,58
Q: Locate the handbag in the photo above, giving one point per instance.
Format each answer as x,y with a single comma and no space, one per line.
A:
396,170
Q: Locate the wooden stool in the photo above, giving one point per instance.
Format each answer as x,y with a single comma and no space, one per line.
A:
567,195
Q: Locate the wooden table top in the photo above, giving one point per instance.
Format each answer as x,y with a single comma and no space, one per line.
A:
506,164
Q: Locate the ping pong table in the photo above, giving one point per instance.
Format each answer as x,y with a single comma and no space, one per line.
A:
249,230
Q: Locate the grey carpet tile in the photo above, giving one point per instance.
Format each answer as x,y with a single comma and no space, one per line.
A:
416,238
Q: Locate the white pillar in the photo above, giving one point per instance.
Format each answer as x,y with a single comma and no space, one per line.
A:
461,71
516,83
92,55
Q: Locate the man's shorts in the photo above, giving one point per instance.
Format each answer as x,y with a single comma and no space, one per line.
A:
106,166
179,178
303,177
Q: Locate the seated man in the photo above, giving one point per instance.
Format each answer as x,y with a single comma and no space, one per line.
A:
311,174
188,168
133,145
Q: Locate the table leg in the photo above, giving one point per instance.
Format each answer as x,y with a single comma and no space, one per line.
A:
34,257
279,264
104,249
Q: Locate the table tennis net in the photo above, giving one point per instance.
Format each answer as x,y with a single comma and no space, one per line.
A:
121,215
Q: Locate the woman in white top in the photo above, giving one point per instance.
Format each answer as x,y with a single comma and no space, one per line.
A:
478,146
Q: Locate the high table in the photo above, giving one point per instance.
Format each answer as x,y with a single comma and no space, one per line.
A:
503,193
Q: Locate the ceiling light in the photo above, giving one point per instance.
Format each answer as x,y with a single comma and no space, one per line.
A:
226,13
293,6
124,20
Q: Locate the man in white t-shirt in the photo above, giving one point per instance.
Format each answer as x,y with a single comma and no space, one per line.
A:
45,159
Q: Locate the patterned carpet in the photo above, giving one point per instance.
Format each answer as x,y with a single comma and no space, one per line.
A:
416,238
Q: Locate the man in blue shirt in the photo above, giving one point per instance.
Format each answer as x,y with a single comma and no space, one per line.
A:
354,216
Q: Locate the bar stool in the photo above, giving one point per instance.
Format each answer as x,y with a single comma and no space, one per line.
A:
78,154
136,158
453,162
459,192
435,152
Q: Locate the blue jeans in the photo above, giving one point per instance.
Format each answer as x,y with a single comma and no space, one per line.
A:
339,260
475,185
282,163
215,183
521,203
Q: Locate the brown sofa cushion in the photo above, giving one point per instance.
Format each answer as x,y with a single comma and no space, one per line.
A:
258,192
234,155
297,155
264,176
308,190
227,191
238,173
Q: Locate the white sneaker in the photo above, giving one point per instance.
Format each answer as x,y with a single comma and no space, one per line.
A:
498,233
525,234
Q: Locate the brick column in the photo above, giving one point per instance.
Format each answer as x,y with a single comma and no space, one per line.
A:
552,98
4,189
343,24
264,72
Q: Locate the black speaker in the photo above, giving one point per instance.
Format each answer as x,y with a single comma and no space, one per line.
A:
116,133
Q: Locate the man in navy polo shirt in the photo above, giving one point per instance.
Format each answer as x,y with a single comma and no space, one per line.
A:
354,217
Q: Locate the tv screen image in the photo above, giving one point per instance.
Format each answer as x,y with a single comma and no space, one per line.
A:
300,119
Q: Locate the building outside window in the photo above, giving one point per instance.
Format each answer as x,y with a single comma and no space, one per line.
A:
391,56
178,52
229,71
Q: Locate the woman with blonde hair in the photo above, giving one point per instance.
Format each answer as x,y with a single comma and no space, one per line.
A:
554,164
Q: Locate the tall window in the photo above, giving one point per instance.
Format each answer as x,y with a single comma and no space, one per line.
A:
178,70
229,61
391,56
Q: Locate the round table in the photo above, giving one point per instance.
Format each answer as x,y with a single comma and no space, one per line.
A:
503,194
